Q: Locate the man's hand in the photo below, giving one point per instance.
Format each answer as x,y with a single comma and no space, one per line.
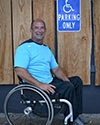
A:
48,88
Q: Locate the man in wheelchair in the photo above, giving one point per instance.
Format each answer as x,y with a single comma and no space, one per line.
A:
35,64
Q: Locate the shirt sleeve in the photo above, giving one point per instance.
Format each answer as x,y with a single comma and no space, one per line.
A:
21,58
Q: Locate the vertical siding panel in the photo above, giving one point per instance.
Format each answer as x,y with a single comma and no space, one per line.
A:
22,16
45,10
96,4
6,65
74,48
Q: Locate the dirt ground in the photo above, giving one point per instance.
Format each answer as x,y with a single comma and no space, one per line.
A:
95,120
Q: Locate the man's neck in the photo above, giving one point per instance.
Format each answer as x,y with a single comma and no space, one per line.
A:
37,41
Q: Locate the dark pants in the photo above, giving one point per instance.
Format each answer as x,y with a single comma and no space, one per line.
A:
71,91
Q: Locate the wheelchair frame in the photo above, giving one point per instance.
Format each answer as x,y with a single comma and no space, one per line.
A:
28,109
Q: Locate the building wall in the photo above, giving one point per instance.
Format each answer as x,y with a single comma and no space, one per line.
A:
78,53
72,49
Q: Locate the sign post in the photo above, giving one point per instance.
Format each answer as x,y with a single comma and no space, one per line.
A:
68,15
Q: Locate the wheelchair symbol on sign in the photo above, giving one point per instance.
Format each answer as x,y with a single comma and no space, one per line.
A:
67,7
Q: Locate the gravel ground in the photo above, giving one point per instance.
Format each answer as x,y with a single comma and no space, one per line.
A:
95,120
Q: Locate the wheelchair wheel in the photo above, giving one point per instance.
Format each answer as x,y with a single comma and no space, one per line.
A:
20,106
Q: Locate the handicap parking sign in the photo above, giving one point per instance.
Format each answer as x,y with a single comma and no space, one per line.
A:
68,15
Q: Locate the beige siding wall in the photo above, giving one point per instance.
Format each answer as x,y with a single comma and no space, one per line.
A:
21,20
96,4
74,48
6,63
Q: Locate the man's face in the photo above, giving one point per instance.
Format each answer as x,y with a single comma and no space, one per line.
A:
38,31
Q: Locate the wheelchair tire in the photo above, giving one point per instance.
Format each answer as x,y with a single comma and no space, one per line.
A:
18,111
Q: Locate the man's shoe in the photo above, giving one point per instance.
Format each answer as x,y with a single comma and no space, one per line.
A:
84,119
78,122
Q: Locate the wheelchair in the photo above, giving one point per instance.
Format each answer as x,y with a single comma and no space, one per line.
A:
25,103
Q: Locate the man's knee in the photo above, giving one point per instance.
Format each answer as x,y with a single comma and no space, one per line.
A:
77,81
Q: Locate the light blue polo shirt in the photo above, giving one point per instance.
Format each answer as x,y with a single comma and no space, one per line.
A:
37,59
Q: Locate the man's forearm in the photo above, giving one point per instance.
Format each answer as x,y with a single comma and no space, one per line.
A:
26,76
60,74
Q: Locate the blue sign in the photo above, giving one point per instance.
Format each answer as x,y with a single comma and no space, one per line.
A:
68,15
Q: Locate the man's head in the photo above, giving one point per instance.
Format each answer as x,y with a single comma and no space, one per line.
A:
38,30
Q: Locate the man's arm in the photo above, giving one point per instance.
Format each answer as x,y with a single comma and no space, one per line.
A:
26,76
60,74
